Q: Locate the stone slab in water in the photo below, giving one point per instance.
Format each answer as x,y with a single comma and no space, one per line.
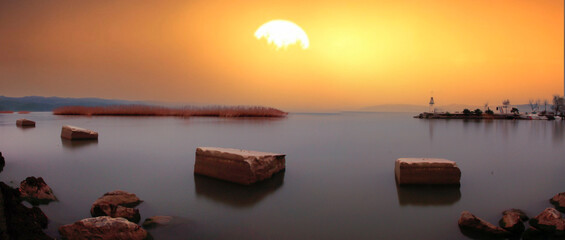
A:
76,133
236,165
426,171
25,123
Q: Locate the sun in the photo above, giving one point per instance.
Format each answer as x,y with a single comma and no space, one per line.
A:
283,33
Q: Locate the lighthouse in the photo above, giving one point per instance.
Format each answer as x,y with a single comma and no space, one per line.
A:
432,110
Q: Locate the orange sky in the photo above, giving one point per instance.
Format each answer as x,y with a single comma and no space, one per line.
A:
361,53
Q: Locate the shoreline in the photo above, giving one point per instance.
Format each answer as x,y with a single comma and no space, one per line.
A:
508,116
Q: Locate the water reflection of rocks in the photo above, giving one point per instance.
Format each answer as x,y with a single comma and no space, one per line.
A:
78,143
428,195
235,195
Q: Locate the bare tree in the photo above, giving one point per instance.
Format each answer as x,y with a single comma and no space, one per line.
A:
558,104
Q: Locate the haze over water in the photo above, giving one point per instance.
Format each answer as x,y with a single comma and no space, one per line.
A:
338,184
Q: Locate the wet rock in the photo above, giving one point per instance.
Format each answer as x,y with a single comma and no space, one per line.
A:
156,221
103,228
36,191
472,225
235,165
512,220
117,204
549,221
558,201
76,133
426,171
21,222
25,123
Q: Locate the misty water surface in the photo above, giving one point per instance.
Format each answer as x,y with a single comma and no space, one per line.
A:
338,184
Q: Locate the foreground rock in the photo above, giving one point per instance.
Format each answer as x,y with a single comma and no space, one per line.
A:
103,228
117,204
18,221
76,133
426,171
36,191
235,165
25,123
512,220
558,201
472,225
549,221
156,221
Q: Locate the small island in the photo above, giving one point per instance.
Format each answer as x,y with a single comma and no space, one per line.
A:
189,111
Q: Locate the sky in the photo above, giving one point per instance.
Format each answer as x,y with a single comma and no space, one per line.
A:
361,53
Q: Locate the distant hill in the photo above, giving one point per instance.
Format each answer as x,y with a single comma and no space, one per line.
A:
43,104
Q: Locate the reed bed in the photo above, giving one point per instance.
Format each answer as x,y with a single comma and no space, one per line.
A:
189,111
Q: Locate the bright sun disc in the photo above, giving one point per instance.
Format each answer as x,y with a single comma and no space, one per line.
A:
282,33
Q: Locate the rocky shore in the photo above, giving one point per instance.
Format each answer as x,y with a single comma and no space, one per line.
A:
549,224
113,214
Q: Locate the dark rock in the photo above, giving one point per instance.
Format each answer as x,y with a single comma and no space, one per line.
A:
117,204
470,224
512,220
156,221
103,228
36,191
558,201
549,221
21,222
2,162
534,234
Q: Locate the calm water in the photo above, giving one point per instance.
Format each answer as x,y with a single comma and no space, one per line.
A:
338,184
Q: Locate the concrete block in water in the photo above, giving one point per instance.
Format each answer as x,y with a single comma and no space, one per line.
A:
25,123
76,133
235,165
426,171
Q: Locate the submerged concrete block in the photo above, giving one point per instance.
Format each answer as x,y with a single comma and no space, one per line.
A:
76,133
426,171
25,123
235,165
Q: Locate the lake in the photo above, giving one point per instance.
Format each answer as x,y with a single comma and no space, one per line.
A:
339,180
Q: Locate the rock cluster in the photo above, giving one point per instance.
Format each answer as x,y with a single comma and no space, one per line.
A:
117,204
18,221
235,165
113,217
36,191
549,224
